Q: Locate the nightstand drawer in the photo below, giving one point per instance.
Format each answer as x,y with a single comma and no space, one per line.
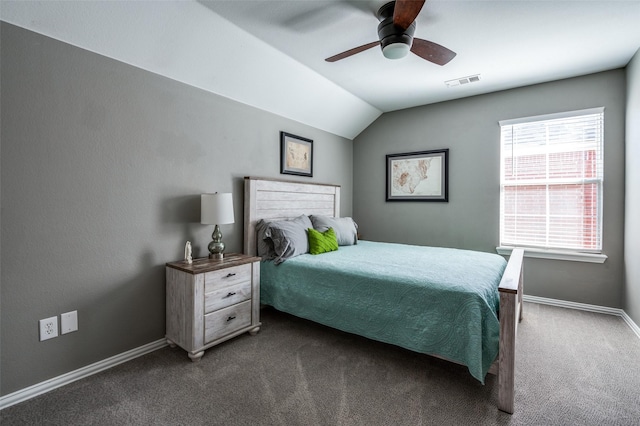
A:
227,320
225,277
227,296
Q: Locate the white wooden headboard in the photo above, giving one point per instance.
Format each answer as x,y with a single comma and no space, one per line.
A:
272,199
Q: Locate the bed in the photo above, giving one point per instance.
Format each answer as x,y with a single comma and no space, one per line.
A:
464,308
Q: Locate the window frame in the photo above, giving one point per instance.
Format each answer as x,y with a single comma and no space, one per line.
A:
596,255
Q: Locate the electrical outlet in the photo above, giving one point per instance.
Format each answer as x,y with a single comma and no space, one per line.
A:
69,322
48,328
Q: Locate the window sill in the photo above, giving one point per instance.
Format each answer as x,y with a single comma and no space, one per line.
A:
556,255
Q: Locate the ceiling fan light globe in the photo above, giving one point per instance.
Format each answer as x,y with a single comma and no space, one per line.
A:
396,50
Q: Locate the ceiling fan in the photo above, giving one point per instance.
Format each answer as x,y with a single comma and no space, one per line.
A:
396,29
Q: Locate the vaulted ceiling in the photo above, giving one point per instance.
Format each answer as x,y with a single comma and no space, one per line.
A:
271,54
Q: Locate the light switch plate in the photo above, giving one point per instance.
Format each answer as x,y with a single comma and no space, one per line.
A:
69,322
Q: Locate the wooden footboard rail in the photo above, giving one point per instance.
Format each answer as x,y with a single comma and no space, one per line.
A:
510,315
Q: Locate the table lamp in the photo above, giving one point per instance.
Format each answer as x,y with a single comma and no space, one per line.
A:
216,209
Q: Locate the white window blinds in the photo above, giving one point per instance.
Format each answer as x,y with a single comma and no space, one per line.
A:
551,181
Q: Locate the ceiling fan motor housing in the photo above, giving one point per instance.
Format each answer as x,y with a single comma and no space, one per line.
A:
390,34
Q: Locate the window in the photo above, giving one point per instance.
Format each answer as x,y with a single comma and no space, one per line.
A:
551,181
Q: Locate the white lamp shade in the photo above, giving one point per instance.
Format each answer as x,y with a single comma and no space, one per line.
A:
216,209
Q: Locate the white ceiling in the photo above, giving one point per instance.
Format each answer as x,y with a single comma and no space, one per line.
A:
510,43
270,54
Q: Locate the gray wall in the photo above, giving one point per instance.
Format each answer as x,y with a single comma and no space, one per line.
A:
469,128
102,167
632,190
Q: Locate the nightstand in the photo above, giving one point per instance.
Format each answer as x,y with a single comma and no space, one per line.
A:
210,301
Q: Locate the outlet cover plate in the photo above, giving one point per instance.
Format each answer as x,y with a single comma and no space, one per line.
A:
48,328
69,322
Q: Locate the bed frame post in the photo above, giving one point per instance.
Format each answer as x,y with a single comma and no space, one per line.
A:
249,214
510,314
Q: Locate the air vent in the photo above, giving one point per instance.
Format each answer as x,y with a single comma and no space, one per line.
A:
463,80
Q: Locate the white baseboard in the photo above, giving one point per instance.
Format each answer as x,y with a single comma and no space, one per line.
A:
585,307
631,324
56,382
81,373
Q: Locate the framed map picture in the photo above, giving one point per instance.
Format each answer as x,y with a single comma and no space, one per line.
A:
418,176
296,155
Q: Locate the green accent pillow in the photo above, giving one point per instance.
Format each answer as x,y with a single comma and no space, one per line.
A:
322,242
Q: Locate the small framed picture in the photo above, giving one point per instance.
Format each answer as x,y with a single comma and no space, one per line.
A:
418,176
296,155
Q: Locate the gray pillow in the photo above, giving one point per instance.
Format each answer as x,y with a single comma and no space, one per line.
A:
345,228
289,237
264,245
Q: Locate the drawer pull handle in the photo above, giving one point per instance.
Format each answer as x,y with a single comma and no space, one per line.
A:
229,294
229,275
231,318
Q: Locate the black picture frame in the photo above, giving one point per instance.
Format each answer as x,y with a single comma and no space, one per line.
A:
418,176
296,155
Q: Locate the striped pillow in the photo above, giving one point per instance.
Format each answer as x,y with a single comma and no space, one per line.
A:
322,242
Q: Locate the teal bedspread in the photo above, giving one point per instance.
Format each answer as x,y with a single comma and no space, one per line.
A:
431,300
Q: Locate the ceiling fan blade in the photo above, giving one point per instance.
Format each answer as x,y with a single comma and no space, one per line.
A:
432,52
406,11
353,51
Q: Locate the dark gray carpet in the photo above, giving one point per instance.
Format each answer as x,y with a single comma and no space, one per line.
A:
573,368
